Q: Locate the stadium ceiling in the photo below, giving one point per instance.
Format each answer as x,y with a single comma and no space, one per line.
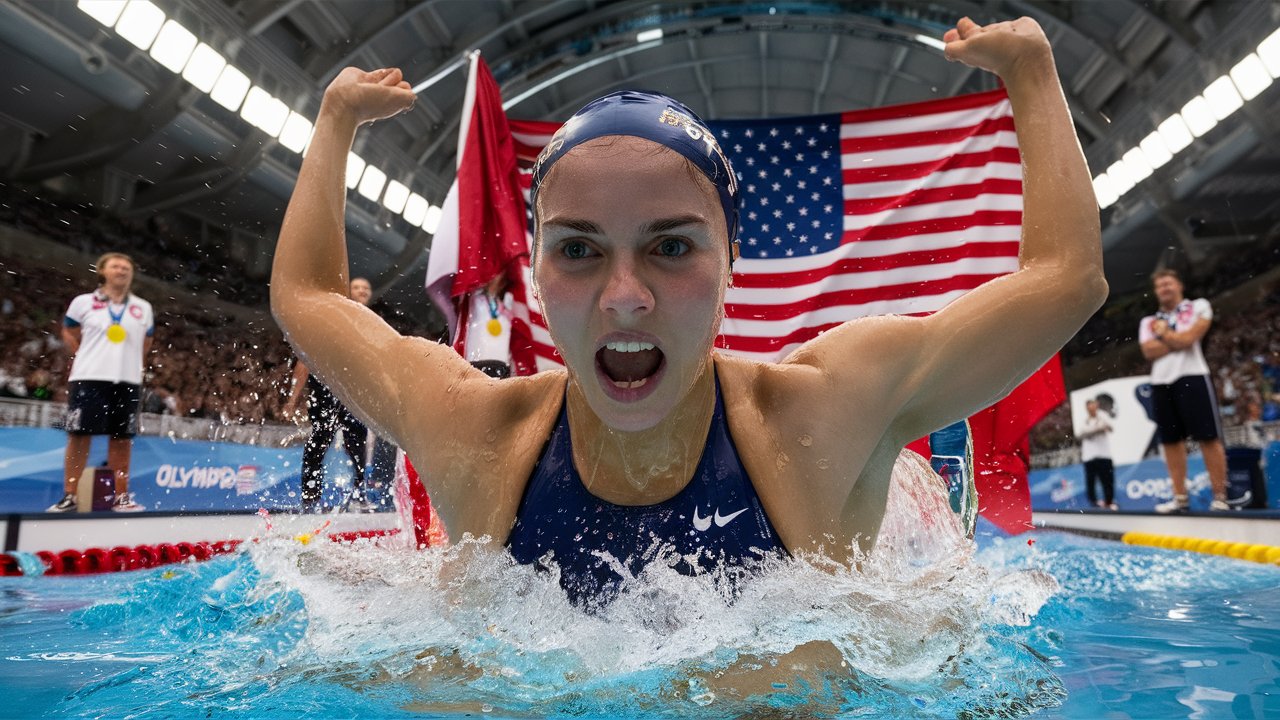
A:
85,111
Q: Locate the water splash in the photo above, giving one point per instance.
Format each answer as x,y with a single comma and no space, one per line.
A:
920,628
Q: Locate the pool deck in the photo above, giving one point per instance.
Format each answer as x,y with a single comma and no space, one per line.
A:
1259,527
35,532
54,533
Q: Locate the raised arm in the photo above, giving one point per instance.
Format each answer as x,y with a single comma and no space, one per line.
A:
934,370
363,360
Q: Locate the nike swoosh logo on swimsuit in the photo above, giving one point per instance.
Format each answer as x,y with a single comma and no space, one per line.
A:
700,523
722,520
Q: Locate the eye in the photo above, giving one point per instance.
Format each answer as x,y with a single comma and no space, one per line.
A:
575,249
672,247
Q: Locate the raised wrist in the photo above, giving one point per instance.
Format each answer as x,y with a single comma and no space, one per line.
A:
1030,69
336,112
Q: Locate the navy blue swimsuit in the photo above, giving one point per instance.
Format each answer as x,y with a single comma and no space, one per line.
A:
715,524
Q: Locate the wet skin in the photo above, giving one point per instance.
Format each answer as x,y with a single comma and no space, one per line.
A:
818,432
634,250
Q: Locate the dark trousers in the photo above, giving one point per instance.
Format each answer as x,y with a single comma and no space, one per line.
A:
327,416
1100,470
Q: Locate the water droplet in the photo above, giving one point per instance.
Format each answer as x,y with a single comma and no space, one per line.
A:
824,464
806,440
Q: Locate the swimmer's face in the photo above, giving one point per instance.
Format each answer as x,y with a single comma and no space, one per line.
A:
361,291
631,274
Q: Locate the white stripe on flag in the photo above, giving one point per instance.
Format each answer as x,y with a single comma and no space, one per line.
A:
942,179
935,211
928,153
932,122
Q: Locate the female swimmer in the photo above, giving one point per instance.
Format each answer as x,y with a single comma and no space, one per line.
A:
649,438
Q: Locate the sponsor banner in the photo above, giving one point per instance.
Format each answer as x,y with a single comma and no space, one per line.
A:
1125,402
169,475
1141,485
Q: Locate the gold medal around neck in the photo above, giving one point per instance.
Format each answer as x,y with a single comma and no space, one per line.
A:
116,334
494,327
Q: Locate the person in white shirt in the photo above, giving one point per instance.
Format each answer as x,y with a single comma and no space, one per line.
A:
109,332
1183,398
489,329
1095,452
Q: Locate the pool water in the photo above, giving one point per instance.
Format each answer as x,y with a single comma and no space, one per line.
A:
1062,627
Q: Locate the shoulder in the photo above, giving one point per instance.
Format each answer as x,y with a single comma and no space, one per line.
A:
80,306
877,348
81,300
756,383
515,406
1201,306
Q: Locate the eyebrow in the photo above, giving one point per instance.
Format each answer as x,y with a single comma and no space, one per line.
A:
656,226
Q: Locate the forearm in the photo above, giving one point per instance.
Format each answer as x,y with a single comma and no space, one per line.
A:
1154,349
311,254
1175,340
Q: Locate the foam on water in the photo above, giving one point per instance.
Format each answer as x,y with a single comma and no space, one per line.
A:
918,628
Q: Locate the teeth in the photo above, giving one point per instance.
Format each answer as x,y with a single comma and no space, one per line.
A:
629,346
629,385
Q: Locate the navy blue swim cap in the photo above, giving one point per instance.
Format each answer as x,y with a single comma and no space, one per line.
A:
655,117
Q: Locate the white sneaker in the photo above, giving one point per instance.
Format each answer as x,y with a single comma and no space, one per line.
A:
1179,503
1219,504
66,504
124,503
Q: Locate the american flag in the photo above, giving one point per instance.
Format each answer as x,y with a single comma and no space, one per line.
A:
894,210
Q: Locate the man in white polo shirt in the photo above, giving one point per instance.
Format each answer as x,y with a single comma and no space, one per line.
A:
1182,393
109,332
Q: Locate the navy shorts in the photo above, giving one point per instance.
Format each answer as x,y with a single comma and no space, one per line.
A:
1187,408
98,407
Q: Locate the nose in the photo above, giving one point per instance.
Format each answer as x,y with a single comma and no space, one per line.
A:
625,292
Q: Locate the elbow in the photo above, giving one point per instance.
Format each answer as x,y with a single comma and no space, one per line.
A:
285,307
1095,289
279,306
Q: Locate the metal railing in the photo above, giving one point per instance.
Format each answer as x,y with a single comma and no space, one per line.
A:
32,413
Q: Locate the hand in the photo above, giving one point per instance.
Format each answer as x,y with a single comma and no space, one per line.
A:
1002,48
368,96
1159,326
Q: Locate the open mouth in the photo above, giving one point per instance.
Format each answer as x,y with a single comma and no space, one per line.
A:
629,365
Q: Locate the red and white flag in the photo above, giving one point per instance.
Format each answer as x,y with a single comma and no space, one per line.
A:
483,229
896,210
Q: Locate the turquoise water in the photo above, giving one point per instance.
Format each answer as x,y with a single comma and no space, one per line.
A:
1064,627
